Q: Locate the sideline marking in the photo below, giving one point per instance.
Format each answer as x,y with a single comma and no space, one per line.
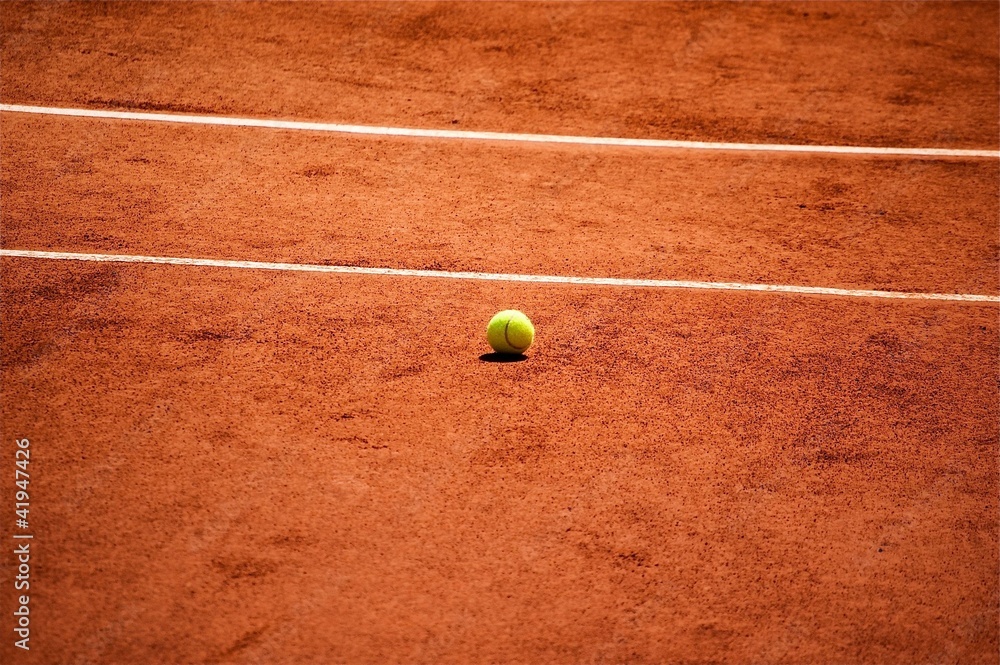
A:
496,277
490,136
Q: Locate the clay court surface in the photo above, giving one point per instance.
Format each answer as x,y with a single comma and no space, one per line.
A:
240,465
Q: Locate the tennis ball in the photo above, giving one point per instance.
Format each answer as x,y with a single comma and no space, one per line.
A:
510,331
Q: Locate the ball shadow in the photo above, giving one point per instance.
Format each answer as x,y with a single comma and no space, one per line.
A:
502,358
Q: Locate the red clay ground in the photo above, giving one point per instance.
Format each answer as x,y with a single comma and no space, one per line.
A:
249,467
895,74
141,188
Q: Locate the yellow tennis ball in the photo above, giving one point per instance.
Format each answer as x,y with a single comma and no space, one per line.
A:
510,331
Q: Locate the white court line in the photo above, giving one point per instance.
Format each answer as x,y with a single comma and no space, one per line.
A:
496,277
491,136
